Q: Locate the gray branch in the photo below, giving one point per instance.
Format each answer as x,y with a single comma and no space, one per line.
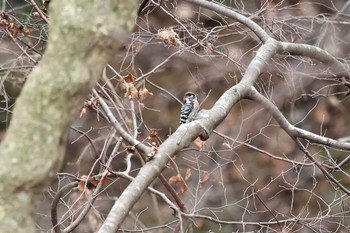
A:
208,120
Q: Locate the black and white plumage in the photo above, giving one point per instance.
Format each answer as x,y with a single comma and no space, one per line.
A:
189,108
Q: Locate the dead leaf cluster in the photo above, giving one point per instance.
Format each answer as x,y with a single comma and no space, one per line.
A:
86,184
169,37
12,25
92,102
127,84
179,180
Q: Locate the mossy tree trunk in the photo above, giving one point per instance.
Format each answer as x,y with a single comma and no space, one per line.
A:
83,35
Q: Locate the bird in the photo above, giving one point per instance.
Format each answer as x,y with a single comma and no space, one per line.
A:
189,108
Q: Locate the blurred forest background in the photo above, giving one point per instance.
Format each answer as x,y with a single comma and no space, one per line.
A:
250,171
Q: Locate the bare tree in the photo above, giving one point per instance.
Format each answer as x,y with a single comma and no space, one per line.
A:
267,152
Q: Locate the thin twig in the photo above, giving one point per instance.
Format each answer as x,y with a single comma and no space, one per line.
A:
158,66
20,47
40,12
263,151
319,165
132,141
88,138
164,90
56,200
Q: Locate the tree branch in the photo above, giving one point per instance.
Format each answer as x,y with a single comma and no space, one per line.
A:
229,12
290,129
207,120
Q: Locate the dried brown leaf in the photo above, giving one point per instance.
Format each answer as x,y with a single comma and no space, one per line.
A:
199,143
125,81
94,180
208,47
129,79
169,37
145,94
183,189
130,149
82,111
132,92
204,177
82,186
188,173
175,179
153,133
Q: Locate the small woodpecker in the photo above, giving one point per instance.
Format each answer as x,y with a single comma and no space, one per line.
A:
189,108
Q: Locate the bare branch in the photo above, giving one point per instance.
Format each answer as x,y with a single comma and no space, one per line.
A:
336,67
40,12
224,10
291,130
186,133
130,139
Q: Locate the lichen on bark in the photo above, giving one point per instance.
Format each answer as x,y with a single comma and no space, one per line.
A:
83,35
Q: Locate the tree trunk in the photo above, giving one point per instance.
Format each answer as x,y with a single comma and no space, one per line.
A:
83,35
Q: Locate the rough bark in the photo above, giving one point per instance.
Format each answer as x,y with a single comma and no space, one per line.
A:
83,36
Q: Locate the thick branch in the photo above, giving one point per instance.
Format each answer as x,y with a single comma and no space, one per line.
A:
337,68
207,120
